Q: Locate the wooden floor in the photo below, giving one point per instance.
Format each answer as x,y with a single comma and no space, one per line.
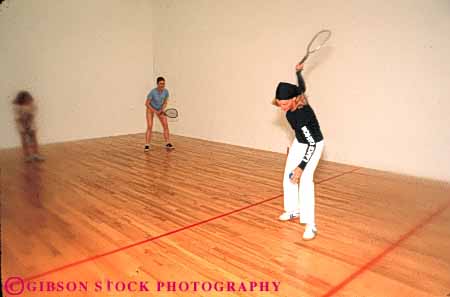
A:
205,215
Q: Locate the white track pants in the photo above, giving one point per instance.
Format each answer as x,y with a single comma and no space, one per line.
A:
301,196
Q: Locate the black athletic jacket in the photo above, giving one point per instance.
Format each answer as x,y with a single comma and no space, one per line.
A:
304,122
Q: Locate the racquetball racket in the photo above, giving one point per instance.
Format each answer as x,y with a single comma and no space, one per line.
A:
316,43
171,113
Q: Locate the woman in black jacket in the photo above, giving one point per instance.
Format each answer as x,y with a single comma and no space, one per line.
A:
304,154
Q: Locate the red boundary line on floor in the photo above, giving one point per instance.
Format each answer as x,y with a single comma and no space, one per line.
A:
339,175
147,240
331,292
92,258
389,249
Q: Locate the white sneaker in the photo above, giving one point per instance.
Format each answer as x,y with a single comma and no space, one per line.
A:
147,147
310,232
286,216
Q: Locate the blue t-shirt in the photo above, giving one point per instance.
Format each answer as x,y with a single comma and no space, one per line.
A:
157,99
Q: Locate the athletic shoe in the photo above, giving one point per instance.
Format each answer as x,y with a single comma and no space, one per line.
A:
286,216
310,232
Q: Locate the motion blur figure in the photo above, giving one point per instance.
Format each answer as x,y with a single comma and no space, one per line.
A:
25,110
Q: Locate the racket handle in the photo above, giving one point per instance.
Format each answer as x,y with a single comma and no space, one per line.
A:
290,175
303,60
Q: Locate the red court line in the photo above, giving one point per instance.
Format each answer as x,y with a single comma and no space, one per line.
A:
425,182
92,258
148,239
339,175
389,249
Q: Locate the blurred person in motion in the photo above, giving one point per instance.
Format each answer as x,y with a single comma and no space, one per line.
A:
25,111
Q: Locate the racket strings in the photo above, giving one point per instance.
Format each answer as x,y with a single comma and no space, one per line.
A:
319,40
171,113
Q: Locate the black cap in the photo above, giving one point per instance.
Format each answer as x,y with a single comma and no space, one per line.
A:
287,91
